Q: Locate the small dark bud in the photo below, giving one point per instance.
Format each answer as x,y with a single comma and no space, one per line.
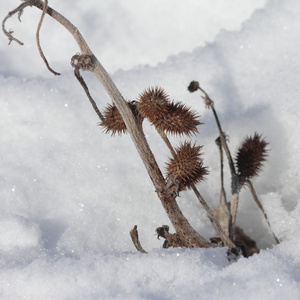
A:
194,86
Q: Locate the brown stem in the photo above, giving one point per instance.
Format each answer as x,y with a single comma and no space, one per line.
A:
135,239
210,103
83,84
38,39
235,185
222,193
233,213
254,195
221,211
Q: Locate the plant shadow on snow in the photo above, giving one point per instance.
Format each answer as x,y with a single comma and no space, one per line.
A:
51,232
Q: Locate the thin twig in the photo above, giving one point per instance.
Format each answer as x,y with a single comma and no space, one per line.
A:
83,84
135,239
210,104
254,195
235,184
19,10
38,39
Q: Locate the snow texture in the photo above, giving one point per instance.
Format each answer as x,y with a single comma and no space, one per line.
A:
70,193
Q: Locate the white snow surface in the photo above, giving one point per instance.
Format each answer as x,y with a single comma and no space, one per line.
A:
70,193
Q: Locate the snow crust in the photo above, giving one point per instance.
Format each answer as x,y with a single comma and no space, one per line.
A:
70,194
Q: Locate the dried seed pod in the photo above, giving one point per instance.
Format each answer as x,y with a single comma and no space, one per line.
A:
153,103
186,165
194,86
178,119
113,122
251,155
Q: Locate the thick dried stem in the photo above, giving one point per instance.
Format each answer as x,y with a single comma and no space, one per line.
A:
222,210
233,213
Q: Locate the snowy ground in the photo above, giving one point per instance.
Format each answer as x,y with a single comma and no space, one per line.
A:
70,194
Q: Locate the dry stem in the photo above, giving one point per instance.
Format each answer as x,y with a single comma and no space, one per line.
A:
235,184
135,239
254,195
38,39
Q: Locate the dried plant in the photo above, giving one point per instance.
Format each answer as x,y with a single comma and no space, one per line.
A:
249,161
185,168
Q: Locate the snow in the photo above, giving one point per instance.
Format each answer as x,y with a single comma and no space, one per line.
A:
70,194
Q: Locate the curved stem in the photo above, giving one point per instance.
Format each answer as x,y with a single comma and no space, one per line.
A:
38,39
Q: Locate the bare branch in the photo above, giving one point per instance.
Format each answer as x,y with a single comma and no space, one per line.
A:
18,10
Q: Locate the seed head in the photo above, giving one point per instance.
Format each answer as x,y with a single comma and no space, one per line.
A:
194,86
178,119
251,155
152,103
186,165
113,122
